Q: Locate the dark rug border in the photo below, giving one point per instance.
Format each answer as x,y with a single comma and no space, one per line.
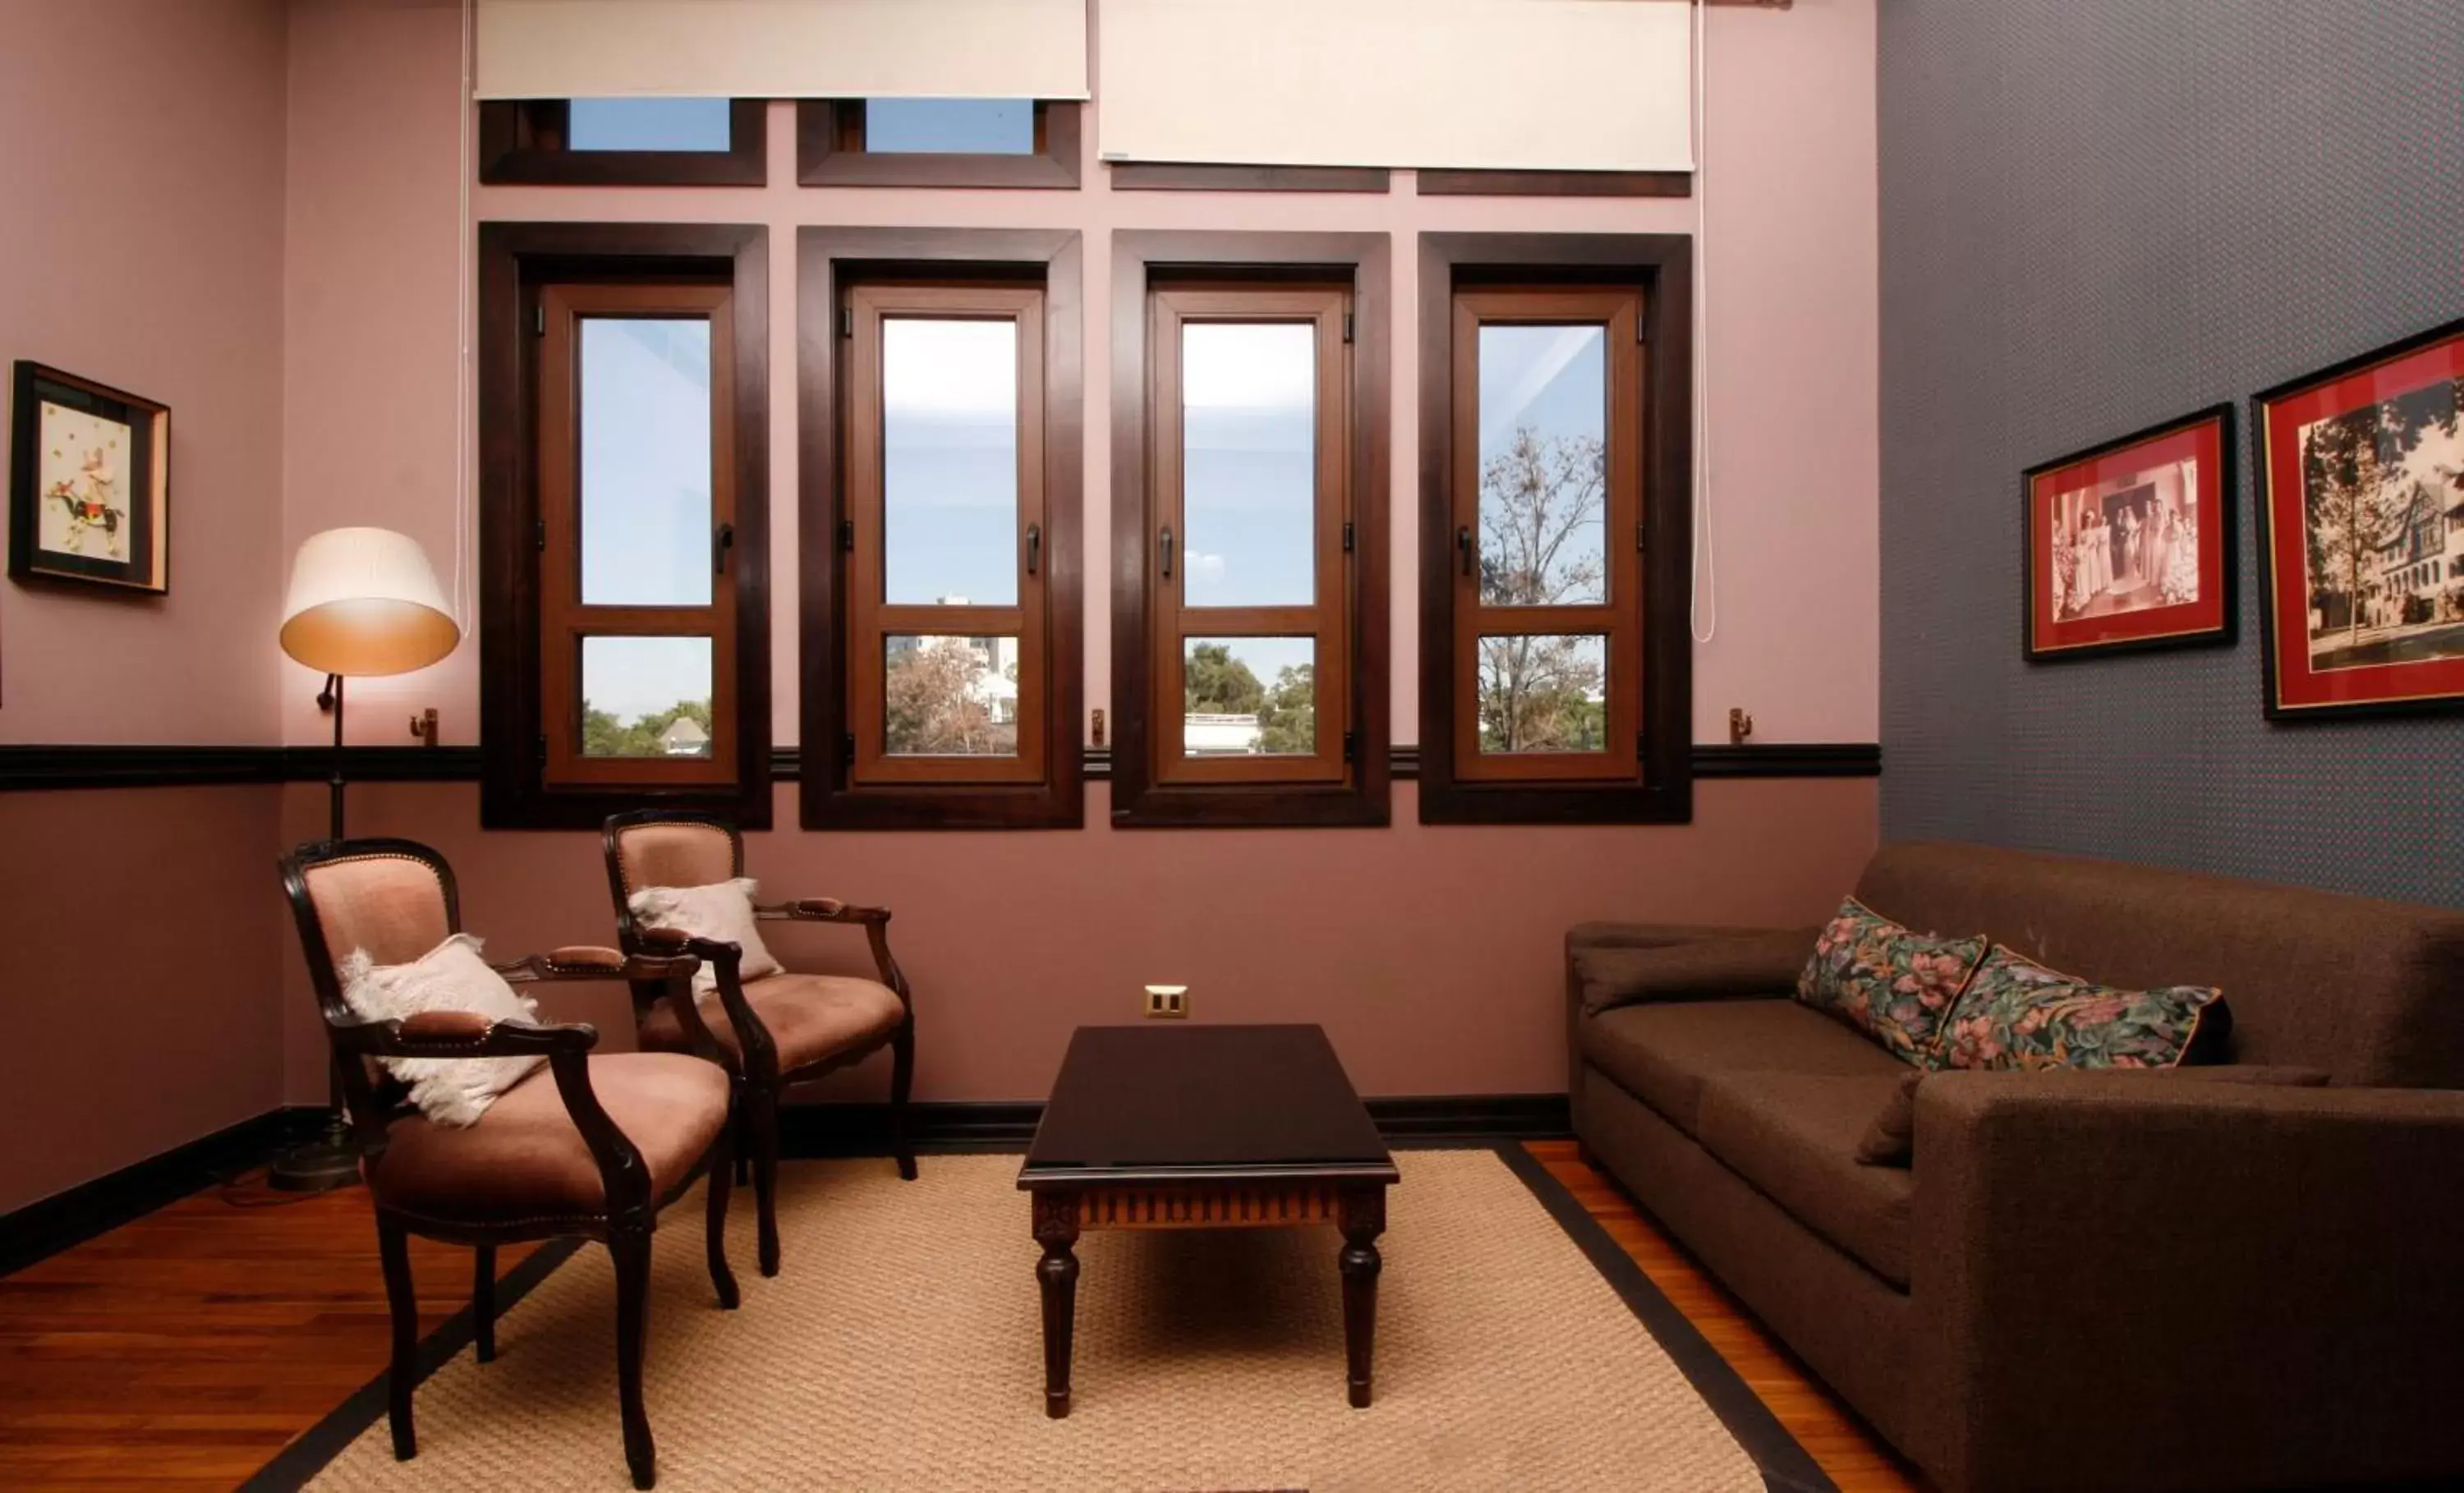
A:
1786,1465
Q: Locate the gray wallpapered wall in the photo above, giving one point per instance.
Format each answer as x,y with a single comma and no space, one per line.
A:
2098,215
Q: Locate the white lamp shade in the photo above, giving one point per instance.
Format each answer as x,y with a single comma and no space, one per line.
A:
365,602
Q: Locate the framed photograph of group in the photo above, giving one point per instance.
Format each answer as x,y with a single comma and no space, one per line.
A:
2129,544
89,483
2361,503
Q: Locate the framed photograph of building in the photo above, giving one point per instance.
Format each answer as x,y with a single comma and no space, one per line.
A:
89,482
2129,544
2361,526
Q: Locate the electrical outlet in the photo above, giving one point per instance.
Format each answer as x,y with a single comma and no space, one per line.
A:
1168,1002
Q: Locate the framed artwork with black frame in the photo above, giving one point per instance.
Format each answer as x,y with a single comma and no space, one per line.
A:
89,483
2361,507
2129,545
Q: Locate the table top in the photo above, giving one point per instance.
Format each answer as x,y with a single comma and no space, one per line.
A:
1156,1103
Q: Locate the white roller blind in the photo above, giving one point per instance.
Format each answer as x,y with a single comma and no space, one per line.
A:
1599,85
781,48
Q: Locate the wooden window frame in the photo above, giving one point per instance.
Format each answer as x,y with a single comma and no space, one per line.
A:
523,144
1178,176
829,152
517,262
872,618
1151,784
1655,784
830,261
1434,181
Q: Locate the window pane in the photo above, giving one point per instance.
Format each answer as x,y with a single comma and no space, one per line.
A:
950,696
949,475
948,126
646,513
646,697
1249,431
1249,697
1543,464
1543,692
646,124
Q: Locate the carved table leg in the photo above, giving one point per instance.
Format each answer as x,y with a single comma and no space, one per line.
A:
1363,1219
1056,1229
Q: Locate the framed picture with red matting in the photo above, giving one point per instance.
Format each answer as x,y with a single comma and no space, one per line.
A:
2361,502
2130,544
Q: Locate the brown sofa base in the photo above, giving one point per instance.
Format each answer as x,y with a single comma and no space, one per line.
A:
1851,1326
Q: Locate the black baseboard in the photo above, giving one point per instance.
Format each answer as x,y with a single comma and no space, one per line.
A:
863,1130
45,1228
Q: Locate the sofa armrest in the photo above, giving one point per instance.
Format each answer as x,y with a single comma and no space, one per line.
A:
1743,963
2138,1286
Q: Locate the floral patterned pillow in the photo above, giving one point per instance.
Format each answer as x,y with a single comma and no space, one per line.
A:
1893,985
2018,1014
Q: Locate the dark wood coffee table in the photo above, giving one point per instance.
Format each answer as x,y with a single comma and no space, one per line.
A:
1204,1128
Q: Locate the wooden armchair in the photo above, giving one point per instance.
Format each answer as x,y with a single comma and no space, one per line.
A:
588,1146
793,1026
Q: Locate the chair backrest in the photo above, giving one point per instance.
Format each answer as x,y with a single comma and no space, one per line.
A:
659,848
2371,991
394,898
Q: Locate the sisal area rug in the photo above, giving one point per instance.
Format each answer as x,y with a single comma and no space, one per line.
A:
900,1350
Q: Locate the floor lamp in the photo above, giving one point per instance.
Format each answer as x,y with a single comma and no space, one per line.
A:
362,603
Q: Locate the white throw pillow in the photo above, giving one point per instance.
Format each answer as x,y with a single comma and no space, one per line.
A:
722,910
451,976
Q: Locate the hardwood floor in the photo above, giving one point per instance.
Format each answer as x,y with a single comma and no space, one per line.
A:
184,1350
1850,1453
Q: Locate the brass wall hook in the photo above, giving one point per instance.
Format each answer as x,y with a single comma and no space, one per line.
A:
422,727
1740,726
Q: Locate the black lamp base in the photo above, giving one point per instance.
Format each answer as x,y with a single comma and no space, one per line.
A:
317,1166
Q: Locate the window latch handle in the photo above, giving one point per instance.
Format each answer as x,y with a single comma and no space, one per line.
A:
1034,546
1462,546
720,544
1167,553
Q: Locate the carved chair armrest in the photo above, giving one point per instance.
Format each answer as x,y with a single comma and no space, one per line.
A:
760,1052
585,961
874,921
463,1034
821,910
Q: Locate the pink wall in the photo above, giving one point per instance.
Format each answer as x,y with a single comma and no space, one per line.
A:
141,246
141,243
1431,954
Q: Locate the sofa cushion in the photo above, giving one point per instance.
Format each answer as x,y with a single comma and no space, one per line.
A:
524,1159
1794,1136
2018,1014
1758,962
1893,985
1890,1138
1663,1052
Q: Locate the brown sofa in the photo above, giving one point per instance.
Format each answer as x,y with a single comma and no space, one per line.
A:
2086,1281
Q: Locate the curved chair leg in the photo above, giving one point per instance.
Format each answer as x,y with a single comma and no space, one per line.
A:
902,1079
483,1302
631,1249
741,1141
393,1249
715,1224
766,1175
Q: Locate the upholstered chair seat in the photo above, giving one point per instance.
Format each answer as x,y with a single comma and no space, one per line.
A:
526,1159
812,1018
